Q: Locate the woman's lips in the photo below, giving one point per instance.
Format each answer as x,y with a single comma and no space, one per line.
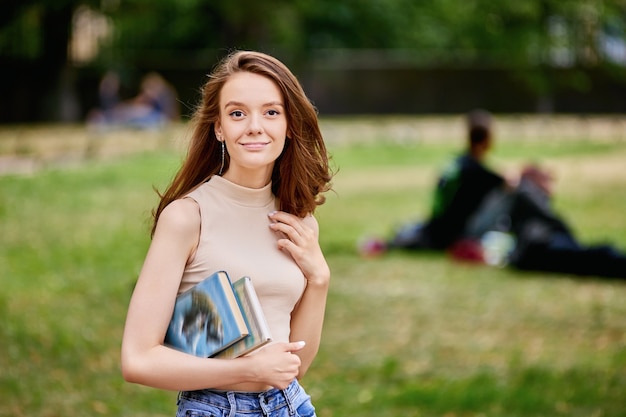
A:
254,145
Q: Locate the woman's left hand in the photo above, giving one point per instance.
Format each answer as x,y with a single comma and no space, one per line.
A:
299,237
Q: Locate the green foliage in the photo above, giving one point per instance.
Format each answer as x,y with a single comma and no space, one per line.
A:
473,31
478,31
405,334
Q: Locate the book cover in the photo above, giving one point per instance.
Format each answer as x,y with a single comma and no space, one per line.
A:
259,330
207,318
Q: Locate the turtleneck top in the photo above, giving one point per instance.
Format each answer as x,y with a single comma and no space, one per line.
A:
235,237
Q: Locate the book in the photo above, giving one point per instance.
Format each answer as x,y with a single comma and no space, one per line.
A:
207,318
259,330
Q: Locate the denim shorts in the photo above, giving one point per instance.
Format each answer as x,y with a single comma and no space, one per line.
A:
290,402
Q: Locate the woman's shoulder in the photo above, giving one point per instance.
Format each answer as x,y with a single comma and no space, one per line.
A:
182,214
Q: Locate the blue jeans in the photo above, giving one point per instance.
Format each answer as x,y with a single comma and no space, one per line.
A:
290,402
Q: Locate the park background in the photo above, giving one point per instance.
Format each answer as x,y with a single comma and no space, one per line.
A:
547,56
405,335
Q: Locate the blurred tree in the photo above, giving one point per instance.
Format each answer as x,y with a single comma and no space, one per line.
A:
185,30
34,38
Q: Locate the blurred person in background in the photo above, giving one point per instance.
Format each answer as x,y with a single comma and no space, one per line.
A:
460,190
155,105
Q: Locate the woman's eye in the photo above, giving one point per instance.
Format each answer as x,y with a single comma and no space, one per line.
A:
236,113
273,112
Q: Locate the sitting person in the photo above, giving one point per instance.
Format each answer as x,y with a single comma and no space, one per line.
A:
540,238
460,190
545,242
472,202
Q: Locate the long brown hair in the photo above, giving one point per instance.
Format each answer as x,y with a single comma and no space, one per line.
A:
301,173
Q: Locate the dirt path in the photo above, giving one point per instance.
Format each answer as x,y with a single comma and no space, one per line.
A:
28,148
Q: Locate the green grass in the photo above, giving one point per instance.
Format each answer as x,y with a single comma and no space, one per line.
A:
405,334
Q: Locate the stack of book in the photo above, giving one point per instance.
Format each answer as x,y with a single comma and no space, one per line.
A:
217,318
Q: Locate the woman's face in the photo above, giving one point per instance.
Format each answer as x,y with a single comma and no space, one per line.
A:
253,125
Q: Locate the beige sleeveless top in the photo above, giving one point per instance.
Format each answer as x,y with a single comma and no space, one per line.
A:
235,237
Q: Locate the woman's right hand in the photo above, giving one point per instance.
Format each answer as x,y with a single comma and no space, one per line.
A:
276,365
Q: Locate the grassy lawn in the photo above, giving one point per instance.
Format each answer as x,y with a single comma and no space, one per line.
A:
405,334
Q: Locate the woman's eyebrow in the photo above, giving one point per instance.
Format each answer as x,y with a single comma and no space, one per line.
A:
234,103
274,103
240,104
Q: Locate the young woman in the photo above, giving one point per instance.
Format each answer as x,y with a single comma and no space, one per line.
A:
243,202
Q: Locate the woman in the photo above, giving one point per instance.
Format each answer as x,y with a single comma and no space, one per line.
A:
243,202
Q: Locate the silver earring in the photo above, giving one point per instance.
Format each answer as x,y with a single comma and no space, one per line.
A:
223,152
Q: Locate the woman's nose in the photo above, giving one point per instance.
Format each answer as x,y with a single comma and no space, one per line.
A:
255,127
